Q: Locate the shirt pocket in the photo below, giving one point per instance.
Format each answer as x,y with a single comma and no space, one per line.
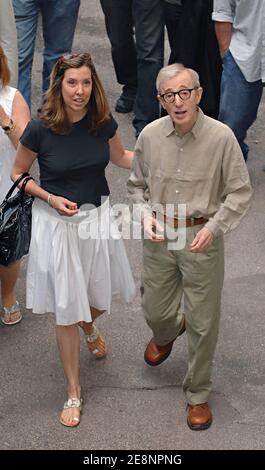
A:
196,175
196,184
158,178
199,170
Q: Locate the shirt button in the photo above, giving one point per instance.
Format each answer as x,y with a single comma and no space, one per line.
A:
181,150
177,191
178,170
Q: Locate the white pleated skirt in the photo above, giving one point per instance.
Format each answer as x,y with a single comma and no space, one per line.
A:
76,263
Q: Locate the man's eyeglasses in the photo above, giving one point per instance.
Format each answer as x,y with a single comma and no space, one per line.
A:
184,95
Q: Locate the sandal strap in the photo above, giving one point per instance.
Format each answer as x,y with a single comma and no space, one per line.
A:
73,403
15,308
93,336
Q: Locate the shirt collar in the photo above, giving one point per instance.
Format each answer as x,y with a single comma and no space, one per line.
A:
198,124
170,128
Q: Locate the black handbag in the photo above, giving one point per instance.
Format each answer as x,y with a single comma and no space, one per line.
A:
15,223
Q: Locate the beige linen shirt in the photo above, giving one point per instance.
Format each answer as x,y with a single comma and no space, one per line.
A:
204,169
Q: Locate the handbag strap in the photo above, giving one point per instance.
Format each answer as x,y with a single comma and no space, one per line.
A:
16,183
22,189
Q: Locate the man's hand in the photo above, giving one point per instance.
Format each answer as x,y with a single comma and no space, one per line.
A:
202,241
151,226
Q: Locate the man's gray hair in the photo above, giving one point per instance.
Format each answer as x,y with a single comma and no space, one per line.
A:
171,71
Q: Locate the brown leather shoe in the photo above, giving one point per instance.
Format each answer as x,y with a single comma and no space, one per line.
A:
155,355
199,417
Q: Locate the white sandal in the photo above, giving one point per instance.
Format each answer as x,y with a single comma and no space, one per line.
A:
9,311
72,403
96,337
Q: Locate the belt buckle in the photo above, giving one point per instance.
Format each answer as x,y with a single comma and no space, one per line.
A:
192,221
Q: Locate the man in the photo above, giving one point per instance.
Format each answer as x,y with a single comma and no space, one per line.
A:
138,60
240,27
8,38
186,158
58,22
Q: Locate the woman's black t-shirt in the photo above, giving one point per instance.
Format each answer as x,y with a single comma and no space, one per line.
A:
72,165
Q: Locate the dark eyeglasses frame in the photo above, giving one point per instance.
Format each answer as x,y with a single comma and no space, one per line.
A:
174,93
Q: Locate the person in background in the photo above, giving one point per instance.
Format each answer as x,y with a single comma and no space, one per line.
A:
136,32
240,27
8,38
58,24
74,262
172,11
14,115
190,159
193,43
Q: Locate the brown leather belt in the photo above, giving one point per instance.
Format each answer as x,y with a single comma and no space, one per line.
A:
184,222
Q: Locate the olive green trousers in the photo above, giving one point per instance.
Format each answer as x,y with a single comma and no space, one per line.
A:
167,275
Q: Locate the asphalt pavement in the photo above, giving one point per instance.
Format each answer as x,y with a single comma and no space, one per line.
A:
129,405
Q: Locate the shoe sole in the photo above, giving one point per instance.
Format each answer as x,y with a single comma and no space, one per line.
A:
70,425
199,427
11,323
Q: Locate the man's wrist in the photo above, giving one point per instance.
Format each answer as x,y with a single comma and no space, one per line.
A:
223,50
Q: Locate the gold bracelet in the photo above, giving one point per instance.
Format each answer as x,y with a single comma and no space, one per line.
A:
49,200
10,128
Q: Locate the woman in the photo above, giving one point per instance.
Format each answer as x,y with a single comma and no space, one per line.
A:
73,265
14,115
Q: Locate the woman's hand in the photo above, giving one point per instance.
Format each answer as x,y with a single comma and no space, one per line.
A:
63,206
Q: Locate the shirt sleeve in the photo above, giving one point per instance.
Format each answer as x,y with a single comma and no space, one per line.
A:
113,126
224,10
138,191
237,191
109,128
31,136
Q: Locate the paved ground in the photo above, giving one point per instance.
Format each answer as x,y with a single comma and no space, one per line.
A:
127,404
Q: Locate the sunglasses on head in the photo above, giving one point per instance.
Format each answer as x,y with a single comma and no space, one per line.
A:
70,56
